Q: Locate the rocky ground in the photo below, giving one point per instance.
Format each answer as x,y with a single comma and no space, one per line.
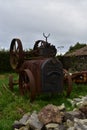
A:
53,117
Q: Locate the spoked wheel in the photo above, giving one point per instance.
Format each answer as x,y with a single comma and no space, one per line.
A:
27,84
67,82
16,53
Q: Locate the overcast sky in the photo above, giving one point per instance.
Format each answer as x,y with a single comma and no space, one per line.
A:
65,20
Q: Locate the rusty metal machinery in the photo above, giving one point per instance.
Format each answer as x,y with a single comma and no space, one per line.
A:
41,49
79,77
39,70
67,82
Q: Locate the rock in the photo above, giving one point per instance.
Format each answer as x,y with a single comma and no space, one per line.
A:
77,100
83,109
62,107
84,103
82,121
17,125
62,127
85,98
24,118
24,128
34,122
72,114
78,125
50,114
71,128
55,126
69,123
52,125
53,117
78,104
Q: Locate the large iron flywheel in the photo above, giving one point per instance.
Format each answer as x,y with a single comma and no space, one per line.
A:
16,53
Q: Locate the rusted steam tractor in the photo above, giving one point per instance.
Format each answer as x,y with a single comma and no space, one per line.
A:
39,70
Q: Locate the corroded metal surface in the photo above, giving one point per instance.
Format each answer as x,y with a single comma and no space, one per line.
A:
45,49
27,83
18,56
39,70
79,77
16,53
48,74
68,81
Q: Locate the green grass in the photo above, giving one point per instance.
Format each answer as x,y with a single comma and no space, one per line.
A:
13,106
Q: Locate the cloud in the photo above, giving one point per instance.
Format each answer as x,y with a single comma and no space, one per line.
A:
65,20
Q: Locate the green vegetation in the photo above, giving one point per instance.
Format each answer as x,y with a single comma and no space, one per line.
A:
5,62
76,47
13,106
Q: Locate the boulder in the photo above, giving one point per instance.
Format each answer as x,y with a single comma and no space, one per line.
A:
50,114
